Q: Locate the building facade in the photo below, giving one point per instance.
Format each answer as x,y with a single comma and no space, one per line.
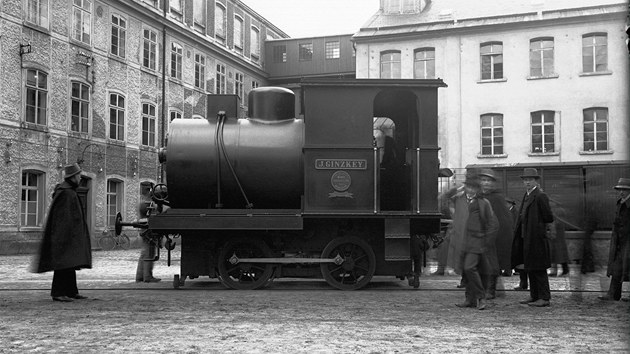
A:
97,82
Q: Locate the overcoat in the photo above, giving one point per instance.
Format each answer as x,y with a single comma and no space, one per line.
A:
531,244
458,228
619,253
503,241
66,241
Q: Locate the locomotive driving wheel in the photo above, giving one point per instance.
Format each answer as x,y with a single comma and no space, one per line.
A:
244,275
357,268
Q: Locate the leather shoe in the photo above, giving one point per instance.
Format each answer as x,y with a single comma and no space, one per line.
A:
539,303
62,299
78,297
481,304
527,301
152,280
520,288
465,304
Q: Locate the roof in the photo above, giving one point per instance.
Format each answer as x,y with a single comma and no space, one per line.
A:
447,14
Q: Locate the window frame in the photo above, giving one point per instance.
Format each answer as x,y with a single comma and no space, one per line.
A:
594,131
221,79
238,40
39,19
149,49
120,43
393,64
177,59
537,55
593,52
199,15
493,127
82,102
220,24
24,211
493,57
543,123
121,113
254,43
305,51
38,92
119,195
200,71
82,11
332,52
239,82
149,124
427,62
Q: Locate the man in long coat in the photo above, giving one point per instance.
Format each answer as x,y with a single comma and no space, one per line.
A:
66,244
531,243
499,248
619,253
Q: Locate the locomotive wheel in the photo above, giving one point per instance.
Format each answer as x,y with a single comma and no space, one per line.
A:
357,268
245,276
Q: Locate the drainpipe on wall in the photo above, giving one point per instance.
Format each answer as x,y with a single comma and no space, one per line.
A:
164,114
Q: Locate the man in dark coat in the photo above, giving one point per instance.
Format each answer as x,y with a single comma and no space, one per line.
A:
481,226
619,253
531,244
499,248
66,244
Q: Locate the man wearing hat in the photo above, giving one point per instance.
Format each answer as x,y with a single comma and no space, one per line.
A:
480,225
619,253
66,244
531,243
499,248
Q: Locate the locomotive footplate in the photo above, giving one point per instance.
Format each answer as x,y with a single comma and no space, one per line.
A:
338,260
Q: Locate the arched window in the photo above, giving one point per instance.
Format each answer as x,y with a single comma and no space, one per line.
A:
424,63
114,200
390,64
491,60
596,129
116,116
33,198
492,134
594,52
36,109
80,107
148,124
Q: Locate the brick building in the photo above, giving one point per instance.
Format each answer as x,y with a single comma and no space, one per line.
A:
97,82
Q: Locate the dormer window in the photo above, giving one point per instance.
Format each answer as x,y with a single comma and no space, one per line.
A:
403,6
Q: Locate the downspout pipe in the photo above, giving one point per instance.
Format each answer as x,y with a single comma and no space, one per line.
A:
164,113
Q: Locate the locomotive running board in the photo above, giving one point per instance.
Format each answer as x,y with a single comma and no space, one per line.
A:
287,260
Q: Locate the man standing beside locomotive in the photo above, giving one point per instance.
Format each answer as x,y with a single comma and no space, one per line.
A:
481,226
499,248
531,244
619,253
66,243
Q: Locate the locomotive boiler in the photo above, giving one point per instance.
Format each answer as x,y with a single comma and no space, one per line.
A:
343,191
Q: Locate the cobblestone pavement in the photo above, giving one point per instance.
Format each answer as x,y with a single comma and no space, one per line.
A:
294,316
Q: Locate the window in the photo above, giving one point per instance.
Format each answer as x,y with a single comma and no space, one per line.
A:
37,12
199,15
175,7
149,50
594,52
402,6
200,71
255,84
492,134
148,124
114,200
119,33
219,23
543,132
541,57
390,65
175,115
254,43
306,51
116,117
279,53
596,129
32,201
238,85
491,61
36,97
238,33
424,63
220,89
82,25
176,60
332,50
80,110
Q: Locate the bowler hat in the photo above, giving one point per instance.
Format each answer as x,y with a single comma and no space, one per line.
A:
623,183
530,173
71,170
488,173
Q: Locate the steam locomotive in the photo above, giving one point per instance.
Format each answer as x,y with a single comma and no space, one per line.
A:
345,191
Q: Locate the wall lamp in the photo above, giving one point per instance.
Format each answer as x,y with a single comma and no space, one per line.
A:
25,48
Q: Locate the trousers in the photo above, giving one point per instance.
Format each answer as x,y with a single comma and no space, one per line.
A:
64,283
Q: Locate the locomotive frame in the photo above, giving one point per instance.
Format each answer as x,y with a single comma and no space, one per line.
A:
365,207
